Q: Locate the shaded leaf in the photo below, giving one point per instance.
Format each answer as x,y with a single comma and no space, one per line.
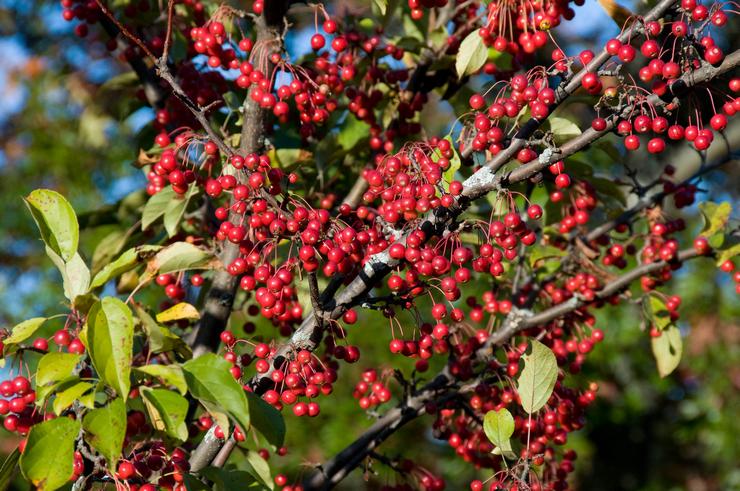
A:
170,374
167,411
127,261
8,469
157,206
161,339
266,419
105,430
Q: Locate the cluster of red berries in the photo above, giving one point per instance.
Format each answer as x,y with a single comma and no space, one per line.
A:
370,391
514,26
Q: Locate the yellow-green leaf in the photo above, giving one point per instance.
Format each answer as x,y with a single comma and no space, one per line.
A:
472,54
24,330
182,310
109,338
48,458
667,349
56,221
538,377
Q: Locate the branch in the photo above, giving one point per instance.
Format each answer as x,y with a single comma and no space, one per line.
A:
444,385
485,180
221,294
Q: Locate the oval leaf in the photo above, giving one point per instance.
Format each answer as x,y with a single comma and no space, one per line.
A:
125,262
180,256
54,367
266,419
157,206
48,458
56,221
472,54
105,430
167,411
109,338
538,378
170,374
24,330
667,349
65,398
210,381
499,426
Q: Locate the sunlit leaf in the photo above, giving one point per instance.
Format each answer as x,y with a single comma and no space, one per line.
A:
48,458
538,377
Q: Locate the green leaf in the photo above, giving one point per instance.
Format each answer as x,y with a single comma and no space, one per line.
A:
56,221
729,252
381,5
77,279
127,261
538,377
105,430
48,458
259,468
55,367
715,217
542,253
176,209
449,174
657,312
157,206
109,338
266,419
499,426
182,310
24,330
667,349
161,339
192,483
170,374
108,248
352,132
75,274
562,129
180,256
209,380
8,469
472,54
65,398
222,479
167,411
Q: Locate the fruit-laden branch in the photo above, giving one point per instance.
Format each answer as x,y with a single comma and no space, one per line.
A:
445,386
485,180
222,291
567,89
